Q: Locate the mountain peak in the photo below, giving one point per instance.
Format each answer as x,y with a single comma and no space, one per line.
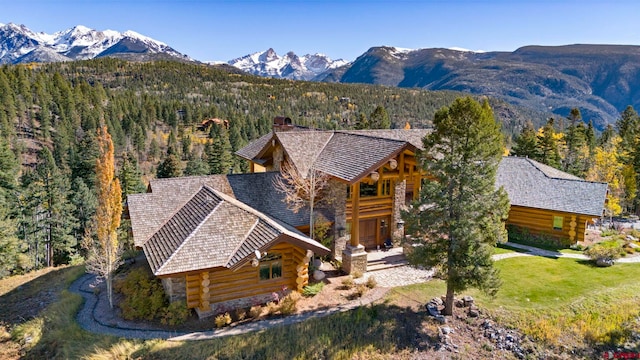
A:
76,43
290,66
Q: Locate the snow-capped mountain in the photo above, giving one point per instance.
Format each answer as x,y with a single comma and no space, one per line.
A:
290,66
20,44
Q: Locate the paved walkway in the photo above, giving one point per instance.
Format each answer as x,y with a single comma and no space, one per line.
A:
386,278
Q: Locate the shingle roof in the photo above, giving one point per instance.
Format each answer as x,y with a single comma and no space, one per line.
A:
258,191
215,230
412,136
347,155
149,211
255,147
303,147
532,184
350,157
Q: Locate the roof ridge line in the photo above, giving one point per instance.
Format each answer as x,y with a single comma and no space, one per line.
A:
246,235
532,162
353,132
191,234
259,214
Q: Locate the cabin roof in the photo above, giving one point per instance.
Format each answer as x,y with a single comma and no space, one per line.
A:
532,184
346,155
215,230
151,210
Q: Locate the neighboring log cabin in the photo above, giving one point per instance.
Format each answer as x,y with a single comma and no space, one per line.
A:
549,203
226,241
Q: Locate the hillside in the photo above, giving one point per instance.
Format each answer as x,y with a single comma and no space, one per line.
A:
600,80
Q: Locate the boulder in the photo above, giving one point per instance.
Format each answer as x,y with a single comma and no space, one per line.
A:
318,275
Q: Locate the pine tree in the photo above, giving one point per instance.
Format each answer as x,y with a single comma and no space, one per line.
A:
628,128
54,209
129,176
574,161
170,167
9,245
196,166
362,123
460,214
548,145
526,144
379,118
219,152
105,255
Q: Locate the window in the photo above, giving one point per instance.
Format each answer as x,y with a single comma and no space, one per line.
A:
557,222
385,187
271,266
368,190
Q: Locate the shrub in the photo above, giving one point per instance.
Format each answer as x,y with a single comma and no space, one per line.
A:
289,304
175,314
223,320
608,232
357,274
605,252
371,282
312,290
143,295
241,314
348,283
272,308
255,312
361,289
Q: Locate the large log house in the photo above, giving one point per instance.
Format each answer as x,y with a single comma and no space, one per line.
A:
226,241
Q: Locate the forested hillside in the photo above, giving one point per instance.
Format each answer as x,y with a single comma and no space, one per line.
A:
49,115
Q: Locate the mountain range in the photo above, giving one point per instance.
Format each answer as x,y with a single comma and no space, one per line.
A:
600,80
290,66
18,44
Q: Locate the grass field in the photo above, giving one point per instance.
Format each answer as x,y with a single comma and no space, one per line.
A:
556,301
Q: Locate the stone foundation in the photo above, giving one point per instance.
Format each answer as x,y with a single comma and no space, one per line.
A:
175,288
232,305
354,259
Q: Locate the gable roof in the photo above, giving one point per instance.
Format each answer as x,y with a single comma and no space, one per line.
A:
532,184
149,211
346,155
214,230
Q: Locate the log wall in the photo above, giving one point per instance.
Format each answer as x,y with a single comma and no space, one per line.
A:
219,285
540,222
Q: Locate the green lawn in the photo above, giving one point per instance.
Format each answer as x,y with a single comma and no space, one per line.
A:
556,300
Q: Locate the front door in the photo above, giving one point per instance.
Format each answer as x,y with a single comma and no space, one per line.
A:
374,232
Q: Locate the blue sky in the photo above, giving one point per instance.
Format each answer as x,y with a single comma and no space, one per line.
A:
223,30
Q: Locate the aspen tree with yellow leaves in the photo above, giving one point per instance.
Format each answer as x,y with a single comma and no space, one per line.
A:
105,253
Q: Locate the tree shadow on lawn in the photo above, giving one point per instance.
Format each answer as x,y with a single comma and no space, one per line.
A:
27,300
381,328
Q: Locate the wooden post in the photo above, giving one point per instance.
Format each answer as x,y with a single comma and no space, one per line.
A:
355,215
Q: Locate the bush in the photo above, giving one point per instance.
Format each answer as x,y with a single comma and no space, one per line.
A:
605,253
175,314
371,282
241,314
357,274
312,290
289,304
609,232
143,295
361,289
272,308
348,283
223,320
255,312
